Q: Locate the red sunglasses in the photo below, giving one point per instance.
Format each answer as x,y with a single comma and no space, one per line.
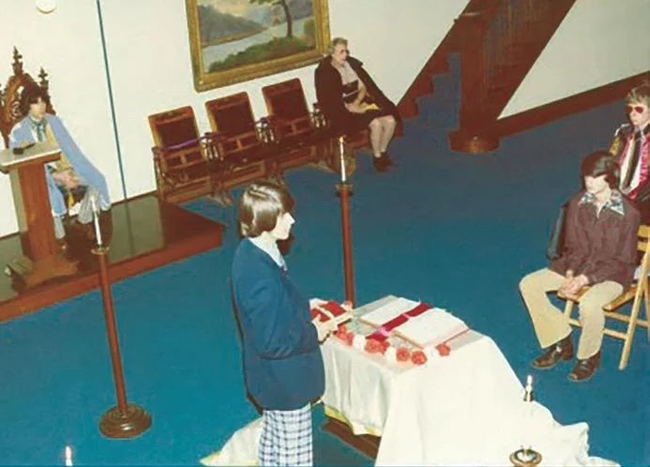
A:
635,108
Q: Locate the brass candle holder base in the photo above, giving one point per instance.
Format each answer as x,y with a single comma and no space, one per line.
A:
129,423
525,458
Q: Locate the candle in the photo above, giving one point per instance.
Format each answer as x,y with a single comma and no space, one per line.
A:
342,154
68,455
98,232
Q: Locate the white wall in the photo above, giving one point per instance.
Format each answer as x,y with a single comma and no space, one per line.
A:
599,42
149,60
66,44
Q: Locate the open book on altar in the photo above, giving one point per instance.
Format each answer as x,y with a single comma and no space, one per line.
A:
436,326
331,311
416,322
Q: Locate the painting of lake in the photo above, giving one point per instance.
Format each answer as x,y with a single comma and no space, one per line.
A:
234,33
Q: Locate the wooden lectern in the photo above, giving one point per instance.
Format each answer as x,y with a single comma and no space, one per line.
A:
42,259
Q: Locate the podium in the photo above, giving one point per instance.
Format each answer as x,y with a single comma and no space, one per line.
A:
41,259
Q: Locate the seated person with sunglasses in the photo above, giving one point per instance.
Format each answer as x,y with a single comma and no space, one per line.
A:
631,147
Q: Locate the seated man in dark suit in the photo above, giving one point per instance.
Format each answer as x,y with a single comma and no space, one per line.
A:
351,101
73,183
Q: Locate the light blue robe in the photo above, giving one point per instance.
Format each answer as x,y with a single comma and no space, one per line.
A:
87,173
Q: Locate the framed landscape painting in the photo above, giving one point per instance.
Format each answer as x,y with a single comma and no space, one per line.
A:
237,40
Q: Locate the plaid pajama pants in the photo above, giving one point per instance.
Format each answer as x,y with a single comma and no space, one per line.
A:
286,437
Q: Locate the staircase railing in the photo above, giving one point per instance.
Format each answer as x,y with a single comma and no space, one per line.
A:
499,42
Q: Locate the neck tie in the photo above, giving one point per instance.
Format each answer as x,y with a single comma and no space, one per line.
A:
634,161
40,129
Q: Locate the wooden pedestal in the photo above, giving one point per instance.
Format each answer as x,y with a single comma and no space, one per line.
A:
42,258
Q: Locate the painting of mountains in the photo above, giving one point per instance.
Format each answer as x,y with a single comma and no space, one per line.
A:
235,40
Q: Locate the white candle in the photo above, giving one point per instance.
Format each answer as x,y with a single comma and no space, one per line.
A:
342,154
68,455
98,232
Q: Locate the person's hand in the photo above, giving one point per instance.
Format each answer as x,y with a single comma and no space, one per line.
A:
67,178
324,329
573,286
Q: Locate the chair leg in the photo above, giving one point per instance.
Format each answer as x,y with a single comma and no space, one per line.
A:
629,335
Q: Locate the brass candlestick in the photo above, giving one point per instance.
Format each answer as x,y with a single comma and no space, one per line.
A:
124,420
526,456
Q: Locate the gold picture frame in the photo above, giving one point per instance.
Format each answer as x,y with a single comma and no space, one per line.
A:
237,40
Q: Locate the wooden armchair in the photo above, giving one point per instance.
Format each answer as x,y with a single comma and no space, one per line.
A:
10,113
638,293
299,139
181,156
241,156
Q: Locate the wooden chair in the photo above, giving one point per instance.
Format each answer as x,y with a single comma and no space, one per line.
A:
242,157
299,139
637,293
10,113
181,156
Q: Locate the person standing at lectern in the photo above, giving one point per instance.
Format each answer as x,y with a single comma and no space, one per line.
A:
72,181
351,100
282,361
600,252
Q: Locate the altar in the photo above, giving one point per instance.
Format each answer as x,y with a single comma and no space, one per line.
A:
465,408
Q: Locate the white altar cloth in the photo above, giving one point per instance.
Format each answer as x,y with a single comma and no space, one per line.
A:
463,409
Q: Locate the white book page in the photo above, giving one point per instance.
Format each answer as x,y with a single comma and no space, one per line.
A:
389,311
431,327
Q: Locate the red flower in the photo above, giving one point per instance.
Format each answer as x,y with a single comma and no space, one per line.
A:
418,357
373,346
384,345
403,354
443,349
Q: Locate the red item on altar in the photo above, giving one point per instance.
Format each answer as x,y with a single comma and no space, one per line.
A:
403,354
331,310
443,349
418,357
373,346
385,330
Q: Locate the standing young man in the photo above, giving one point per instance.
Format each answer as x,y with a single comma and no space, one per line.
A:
600,251
283,365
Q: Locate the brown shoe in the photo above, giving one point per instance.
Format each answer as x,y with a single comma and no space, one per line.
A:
585,369
562,350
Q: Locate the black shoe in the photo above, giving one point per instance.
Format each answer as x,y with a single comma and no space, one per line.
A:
562,350
389,162
585,369
380,163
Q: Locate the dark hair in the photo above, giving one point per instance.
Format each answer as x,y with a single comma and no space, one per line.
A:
260,205
601,163
30,95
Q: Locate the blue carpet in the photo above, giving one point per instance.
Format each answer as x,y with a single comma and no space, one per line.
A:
455,230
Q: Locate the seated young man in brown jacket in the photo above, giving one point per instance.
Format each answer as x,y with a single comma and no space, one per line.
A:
600,251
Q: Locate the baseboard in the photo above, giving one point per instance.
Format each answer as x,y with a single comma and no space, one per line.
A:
567,106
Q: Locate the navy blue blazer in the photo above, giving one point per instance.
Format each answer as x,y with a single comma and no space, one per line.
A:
283,365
